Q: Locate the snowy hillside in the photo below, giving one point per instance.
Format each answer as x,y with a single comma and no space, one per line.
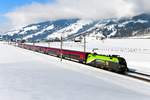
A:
35,76
70,30
136,26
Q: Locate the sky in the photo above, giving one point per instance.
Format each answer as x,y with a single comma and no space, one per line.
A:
15,14
7,6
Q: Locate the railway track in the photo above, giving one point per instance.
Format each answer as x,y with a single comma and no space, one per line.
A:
138,75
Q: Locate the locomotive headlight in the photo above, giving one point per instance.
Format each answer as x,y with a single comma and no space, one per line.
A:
107,63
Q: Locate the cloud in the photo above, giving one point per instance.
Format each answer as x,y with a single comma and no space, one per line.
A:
140,6
86,9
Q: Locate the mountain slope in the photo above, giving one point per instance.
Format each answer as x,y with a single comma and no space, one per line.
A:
71,28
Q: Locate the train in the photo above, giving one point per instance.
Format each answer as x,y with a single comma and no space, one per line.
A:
113,63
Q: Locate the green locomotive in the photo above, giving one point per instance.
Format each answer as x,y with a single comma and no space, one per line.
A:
108,62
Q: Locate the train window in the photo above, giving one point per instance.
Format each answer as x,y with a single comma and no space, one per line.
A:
122,61
52,52
74,56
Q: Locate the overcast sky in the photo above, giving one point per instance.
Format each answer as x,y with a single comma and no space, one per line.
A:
17,13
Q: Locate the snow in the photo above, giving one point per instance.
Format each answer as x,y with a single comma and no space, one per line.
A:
30,28
50,27
132,21
99,25
110,27
71,29
125,23
11,33
98,35
145,36
114,31
40,32
27,75
28,36
142,21
32,35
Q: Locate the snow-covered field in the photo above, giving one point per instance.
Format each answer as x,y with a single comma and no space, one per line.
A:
27,75
135,51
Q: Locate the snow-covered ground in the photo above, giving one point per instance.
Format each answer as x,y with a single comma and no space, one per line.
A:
27,75
135,51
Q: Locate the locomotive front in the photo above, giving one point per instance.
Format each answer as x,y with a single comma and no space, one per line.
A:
111,63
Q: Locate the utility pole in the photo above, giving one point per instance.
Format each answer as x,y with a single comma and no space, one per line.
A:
84,43
33,42
61,44
48,43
